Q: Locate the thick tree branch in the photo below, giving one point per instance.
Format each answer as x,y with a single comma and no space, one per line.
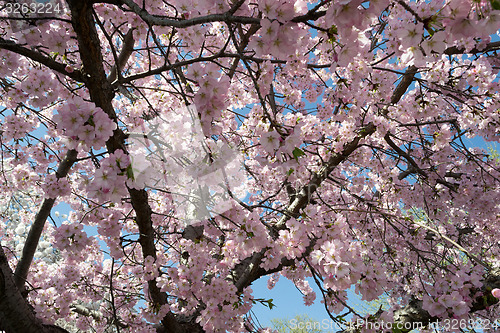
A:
227,17
84,311
40,58
36,229
163,21
16,315
493,46
304,195
403,85
125,53
311,15
249,269
102,95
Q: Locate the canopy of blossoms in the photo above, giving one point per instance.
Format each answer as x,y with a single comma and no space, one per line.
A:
202,145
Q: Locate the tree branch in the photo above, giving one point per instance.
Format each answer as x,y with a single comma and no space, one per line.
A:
125,53
29,249
16,315
403,85
102,95
40,58
227,17
84,311
164,21
493,46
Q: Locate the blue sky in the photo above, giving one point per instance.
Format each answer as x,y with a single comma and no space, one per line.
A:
287,300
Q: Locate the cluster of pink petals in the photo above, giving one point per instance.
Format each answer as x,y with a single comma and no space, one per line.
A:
84,123
210,99
56,187
109,183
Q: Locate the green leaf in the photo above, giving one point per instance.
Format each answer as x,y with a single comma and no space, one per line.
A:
91,121
332,32
130,172
290,172
297,152
266,302
495,4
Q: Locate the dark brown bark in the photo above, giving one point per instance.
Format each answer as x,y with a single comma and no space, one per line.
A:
16,315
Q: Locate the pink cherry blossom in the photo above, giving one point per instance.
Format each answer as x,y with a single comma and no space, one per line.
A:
270,141
195,147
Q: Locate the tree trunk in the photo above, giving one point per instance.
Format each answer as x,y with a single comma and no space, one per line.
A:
16,315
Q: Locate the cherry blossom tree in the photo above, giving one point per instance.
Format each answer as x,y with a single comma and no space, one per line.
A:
351,119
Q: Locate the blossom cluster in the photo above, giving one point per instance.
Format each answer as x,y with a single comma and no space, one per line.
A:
210,98
56,187
451,297
84,124
109,182
71,237
15,127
